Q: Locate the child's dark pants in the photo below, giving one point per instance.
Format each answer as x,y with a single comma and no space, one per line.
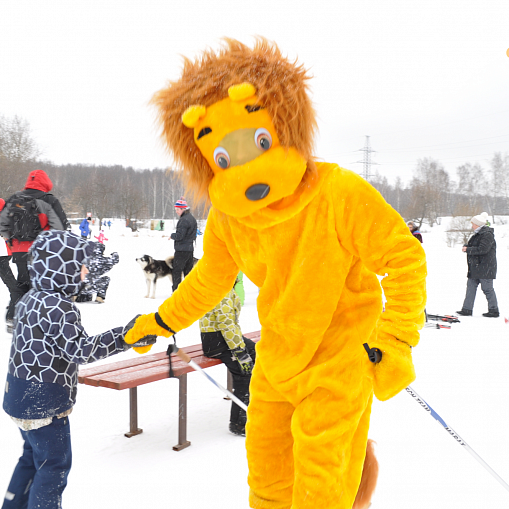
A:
215,346
40,476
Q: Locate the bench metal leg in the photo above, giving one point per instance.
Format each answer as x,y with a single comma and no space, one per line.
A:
229,383
183,442
133,413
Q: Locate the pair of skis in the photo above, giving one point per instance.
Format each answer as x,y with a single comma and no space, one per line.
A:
440,318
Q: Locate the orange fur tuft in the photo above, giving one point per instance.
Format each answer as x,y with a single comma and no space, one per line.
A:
369,478
281,87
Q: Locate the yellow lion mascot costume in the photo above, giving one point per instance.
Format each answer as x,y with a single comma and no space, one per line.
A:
312,236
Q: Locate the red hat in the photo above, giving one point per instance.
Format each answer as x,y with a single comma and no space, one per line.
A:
38,179
181,204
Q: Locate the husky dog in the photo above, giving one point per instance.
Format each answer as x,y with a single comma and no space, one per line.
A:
157,269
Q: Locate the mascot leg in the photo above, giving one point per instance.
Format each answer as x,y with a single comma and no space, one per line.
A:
311,456
269,445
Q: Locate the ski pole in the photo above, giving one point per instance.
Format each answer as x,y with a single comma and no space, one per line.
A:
456,436
183,356
375,356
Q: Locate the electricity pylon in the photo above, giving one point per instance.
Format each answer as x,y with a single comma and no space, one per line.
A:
366,162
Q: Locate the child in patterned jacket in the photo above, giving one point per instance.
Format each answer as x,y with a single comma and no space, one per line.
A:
222,338
48,344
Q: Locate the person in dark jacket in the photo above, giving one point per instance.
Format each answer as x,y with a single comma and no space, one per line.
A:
51,217
184,239
481,252
48,344
414,230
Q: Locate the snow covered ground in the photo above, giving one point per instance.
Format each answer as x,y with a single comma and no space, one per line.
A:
462,373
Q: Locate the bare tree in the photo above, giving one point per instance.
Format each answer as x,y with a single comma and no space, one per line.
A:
131,201
18,153
498,183
472,184
429,190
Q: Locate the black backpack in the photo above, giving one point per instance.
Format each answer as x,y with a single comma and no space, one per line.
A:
23,214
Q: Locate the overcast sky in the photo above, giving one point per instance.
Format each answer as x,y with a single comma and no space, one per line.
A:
422,78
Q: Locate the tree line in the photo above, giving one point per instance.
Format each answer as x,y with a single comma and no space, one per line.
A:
432,193
104,191
138,194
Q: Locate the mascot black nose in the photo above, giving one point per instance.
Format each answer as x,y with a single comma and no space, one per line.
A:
257,192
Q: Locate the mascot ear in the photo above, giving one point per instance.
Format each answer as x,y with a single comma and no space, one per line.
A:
241,92
193,114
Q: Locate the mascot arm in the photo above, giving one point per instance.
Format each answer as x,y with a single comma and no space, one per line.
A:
211,279
373,231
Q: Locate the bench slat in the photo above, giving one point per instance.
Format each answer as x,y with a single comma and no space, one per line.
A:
153,374
133,376
136,362
148,368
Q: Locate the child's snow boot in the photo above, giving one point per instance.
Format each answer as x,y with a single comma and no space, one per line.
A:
238,429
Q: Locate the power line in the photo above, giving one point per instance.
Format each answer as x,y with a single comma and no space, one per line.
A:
439,125
407,149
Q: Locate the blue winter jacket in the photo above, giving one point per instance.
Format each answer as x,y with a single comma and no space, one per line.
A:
85,228
49,341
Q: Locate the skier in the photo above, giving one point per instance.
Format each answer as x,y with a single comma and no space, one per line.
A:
96,284
481,252
222,338
48,344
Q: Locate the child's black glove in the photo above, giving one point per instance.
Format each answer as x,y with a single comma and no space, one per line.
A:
242,356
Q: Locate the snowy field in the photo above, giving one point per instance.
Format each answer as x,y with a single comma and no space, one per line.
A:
462,373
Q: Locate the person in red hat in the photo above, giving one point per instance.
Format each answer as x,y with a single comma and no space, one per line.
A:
25,215
184,239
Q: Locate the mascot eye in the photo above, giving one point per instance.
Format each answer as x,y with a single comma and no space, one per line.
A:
222,158
263,139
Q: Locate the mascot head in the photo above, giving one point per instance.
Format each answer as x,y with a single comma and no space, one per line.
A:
240,124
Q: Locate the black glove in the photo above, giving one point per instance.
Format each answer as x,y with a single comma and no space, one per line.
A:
242,356
145,341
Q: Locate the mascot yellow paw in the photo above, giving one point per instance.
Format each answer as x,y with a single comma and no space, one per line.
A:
142,349
396,370
145,325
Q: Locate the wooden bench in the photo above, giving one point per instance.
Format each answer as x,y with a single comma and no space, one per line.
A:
131,373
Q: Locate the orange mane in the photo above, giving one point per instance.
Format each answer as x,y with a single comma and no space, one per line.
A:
281,87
